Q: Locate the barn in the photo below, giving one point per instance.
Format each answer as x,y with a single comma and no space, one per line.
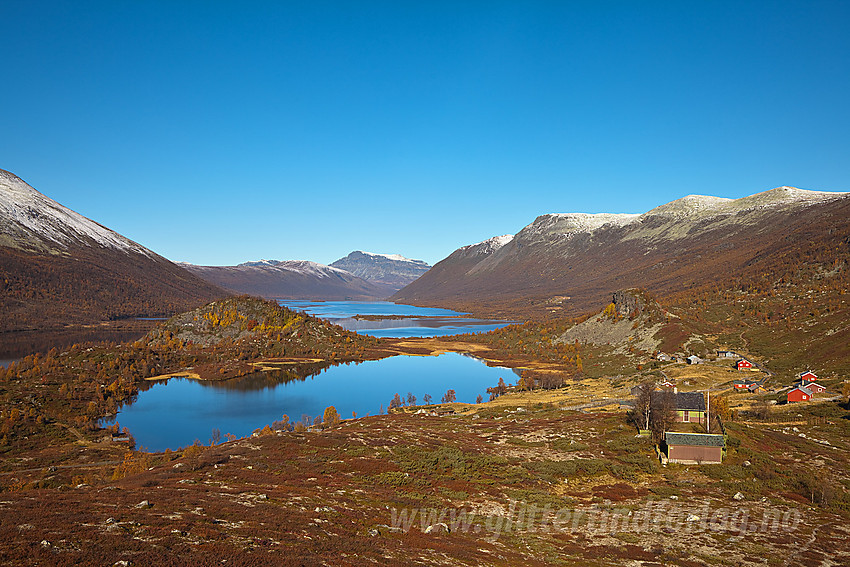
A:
694,448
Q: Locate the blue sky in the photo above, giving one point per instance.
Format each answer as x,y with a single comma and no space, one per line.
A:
221,132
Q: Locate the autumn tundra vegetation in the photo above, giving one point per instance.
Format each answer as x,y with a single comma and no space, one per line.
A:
564,438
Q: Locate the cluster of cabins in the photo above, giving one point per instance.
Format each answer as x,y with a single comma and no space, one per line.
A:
805,388
690,407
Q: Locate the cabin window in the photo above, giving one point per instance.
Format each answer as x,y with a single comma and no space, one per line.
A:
686,416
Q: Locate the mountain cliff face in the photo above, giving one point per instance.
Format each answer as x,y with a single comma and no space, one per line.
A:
391,272
568,263
289,279
58,267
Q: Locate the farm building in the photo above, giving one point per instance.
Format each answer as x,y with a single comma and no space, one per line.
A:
799,394
745,364
694,448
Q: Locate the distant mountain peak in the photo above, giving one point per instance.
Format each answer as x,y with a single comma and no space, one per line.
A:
391,271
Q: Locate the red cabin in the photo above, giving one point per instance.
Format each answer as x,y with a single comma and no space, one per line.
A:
799,394
744,364
808,376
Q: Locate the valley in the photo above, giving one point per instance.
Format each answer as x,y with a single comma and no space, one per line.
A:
497,421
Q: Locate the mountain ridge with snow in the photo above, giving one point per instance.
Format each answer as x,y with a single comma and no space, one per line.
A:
588,255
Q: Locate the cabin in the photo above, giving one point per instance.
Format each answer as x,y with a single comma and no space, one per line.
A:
741,385
689,407
813,387
756,388
807,376
663,357
694,448
693,359
667,384
799,394
745,364
726,354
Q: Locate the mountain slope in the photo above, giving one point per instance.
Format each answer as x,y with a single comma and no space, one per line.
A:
388,271
289,279
58,267
568,263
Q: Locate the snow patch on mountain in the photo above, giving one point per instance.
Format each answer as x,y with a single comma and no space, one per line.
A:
491,244
395,257
32,220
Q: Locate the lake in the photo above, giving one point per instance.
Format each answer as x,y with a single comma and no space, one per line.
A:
176,412
415,321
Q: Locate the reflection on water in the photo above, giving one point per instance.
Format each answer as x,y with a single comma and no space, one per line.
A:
173,414
414,321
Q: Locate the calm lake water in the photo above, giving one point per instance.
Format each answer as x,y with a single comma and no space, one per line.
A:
417,321
175,413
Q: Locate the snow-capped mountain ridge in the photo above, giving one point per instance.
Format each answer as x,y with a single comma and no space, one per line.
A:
33,221
695,238
299,266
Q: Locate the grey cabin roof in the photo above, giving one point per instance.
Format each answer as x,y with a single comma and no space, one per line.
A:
804,390
694,439
693,401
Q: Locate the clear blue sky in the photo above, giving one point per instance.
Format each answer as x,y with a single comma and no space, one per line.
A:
219,132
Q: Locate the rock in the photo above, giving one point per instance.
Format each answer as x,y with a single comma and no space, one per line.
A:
437,528
520,410
674,497
110,520
121,563
374,532
738,496
692,518
747,463
45,543
143,504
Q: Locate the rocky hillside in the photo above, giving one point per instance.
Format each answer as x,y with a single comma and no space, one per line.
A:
390,272
58,267
289,279
570,263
